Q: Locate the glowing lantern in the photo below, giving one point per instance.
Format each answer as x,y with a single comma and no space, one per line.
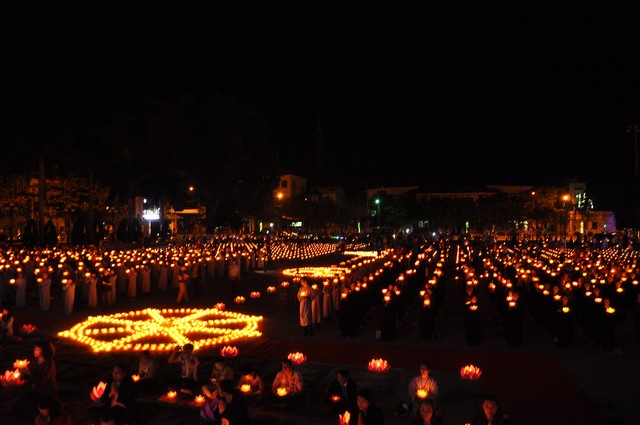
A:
565,309
239,299
229,351
98,390
21,364
220,306
297,358
27,328
284,284
422,393
255,294
470,372
245,388
199,399
378,365
11,378
271,289
135,378
172,395
335,398
282,391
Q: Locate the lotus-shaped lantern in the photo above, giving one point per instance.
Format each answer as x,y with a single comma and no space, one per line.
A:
470,372
28,328
282,391
199,399
297,358
245,388
378,365
422,393
271,289
135,378
229,351
255,294
98,390
21,364
172,394
11,378
239,299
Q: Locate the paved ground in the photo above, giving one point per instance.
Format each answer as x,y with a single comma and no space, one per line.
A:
537,382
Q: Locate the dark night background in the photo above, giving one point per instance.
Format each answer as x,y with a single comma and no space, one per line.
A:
428,93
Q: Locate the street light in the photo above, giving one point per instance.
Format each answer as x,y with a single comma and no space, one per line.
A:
11,209
377,202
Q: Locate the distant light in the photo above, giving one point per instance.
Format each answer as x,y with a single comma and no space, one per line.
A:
151,215
144,201
191,188
408,231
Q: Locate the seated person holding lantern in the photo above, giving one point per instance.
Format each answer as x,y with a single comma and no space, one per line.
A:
288,386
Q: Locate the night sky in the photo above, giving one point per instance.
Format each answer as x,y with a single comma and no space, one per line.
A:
427,93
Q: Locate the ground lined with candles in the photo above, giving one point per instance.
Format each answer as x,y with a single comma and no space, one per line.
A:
537,382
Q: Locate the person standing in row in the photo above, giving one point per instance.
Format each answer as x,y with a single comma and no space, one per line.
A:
305,296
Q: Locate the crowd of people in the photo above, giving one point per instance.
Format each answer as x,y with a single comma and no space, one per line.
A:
560,288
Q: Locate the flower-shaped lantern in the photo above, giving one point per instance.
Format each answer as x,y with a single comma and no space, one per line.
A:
28,328
21,364
297,358
98,390
239,299
11,378
229,351
470,372
271,289
199,399
282,391
135,378
378,365
245,388
255,294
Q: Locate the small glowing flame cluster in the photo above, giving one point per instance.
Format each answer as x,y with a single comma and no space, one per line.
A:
378,365
470,372
297,358
161,329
